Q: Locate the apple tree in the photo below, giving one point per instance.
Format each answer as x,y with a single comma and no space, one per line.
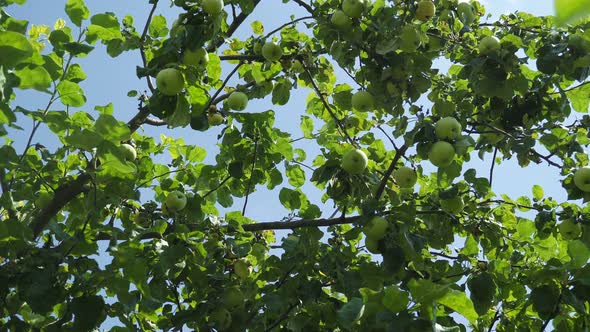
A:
419,241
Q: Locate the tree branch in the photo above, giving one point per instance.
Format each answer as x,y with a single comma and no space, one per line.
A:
249,188
398,154
6,191
141,44
304,5
154,122
492,166
235,24
282,318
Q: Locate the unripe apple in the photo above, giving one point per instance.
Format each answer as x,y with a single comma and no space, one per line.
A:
362,101
353,8
582,178
197,58
489,45
441,154
297,67
215,119
175,201
425,10
212,7
242,269
466,12
340,19
405,177
170,81
409,38
569,229
447,128
271,51
452,205
376,228
237,101
128,151
354,161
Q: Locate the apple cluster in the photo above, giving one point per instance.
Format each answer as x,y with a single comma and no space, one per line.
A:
375,230
442,152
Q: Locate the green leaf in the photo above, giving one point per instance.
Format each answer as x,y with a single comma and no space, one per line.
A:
296,175
351,312
84,139
395,299
257,27
281,93
111,129
306,126
33,77
105,27
158,27
14,48
77,11
291,199
71,94
75,74
538,193
425,291
579,253
460,303
181,116
580,97
571,10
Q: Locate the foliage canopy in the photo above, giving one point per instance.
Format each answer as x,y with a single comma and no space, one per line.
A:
447,254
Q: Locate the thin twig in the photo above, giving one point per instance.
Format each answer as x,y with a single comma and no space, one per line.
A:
282,318
496,318
223,84
304,5
398,154
249,188
235,24
141,44
492,166
218,186
286,25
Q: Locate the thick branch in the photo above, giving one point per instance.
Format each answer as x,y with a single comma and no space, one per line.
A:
304,5
232,28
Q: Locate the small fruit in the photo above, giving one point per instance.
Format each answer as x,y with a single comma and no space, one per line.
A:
452,205
215,119
175,201
405,177
375,228
448,128
271,51
128,151
212,7
362,101
466,12
354,161
237,101
569,229
242,268
441,154
582,178
410,38
297,67
489,45
425,10
170,81
353,8
340,19
197,58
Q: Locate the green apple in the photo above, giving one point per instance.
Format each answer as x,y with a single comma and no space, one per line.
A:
197,58
128,151
271,51
488,45
237,101
452,205
405,177
220,318
425,10
362,101
242,268
582,178
569,229
375,228
466,12
175,201
212,7
170,81
447,128
215,119
340,19
257,48
140,217
233,297
409,38
372,245
297,67
441,154
165,211
354,161
353,8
